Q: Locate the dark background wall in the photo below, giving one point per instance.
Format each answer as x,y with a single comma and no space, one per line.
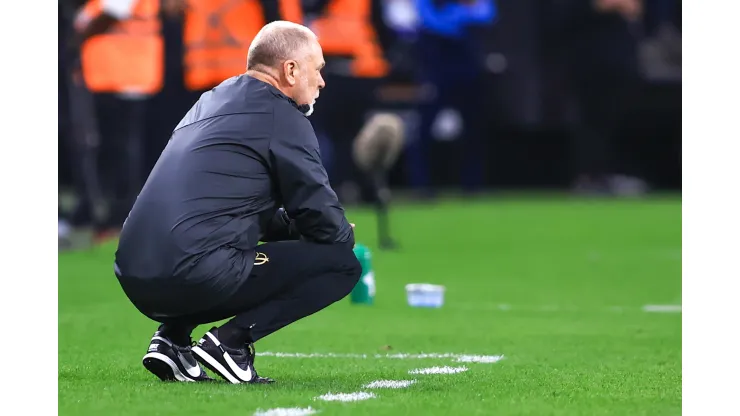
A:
527,111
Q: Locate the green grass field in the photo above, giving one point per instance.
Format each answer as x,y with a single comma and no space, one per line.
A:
555,286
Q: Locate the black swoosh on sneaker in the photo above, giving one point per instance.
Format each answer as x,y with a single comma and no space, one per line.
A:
170,362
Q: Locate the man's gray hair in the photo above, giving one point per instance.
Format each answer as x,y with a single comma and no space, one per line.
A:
277,42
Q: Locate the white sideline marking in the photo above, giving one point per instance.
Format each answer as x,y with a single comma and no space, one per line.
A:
389,384
461,358
662,308
439,370
285,411
506,307
346,397
488,359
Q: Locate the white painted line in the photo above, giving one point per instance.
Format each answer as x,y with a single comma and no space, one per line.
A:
346,397
487,359
311,355
389,384
662,308
509,308
286,411
439,370
463,358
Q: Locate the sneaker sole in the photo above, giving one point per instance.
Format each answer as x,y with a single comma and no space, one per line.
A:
212,364
163,367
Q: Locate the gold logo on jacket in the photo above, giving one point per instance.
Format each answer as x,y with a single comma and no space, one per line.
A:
260,258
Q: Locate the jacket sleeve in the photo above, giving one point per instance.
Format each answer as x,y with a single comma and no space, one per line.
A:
303,183
281,228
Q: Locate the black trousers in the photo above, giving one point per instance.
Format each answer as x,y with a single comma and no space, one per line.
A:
453,67
107,151
602,100
459,93
122,125
289,281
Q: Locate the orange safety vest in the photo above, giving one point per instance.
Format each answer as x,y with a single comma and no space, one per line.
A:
345,30
217,36
129,57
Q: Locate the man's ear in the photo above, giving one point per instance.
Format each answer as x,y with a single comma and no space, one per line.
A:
290,68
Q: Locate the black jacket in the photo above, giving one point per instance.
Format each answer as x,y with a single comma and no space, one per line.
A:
241,152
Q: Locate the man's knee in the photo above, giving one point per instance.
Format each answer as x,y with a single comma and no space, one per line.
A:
346,262
356,269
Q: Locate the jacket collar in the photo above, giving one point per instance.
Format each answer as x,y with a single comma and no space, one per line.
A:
276,92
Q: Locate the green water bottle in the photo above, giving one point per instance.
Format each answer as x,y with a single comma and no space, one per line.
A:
364,291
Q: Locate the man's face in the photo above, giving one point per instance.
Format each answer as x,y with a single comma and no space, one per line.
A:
310,81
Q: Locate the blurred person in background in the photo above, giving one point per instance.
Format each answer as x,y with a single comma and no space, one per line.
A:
82,210
117,66
599,38
78,134
352,36
217,34
450,60
660,52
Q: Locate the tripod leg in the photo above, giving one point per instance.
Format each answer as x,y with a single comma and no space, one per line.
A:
382,198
